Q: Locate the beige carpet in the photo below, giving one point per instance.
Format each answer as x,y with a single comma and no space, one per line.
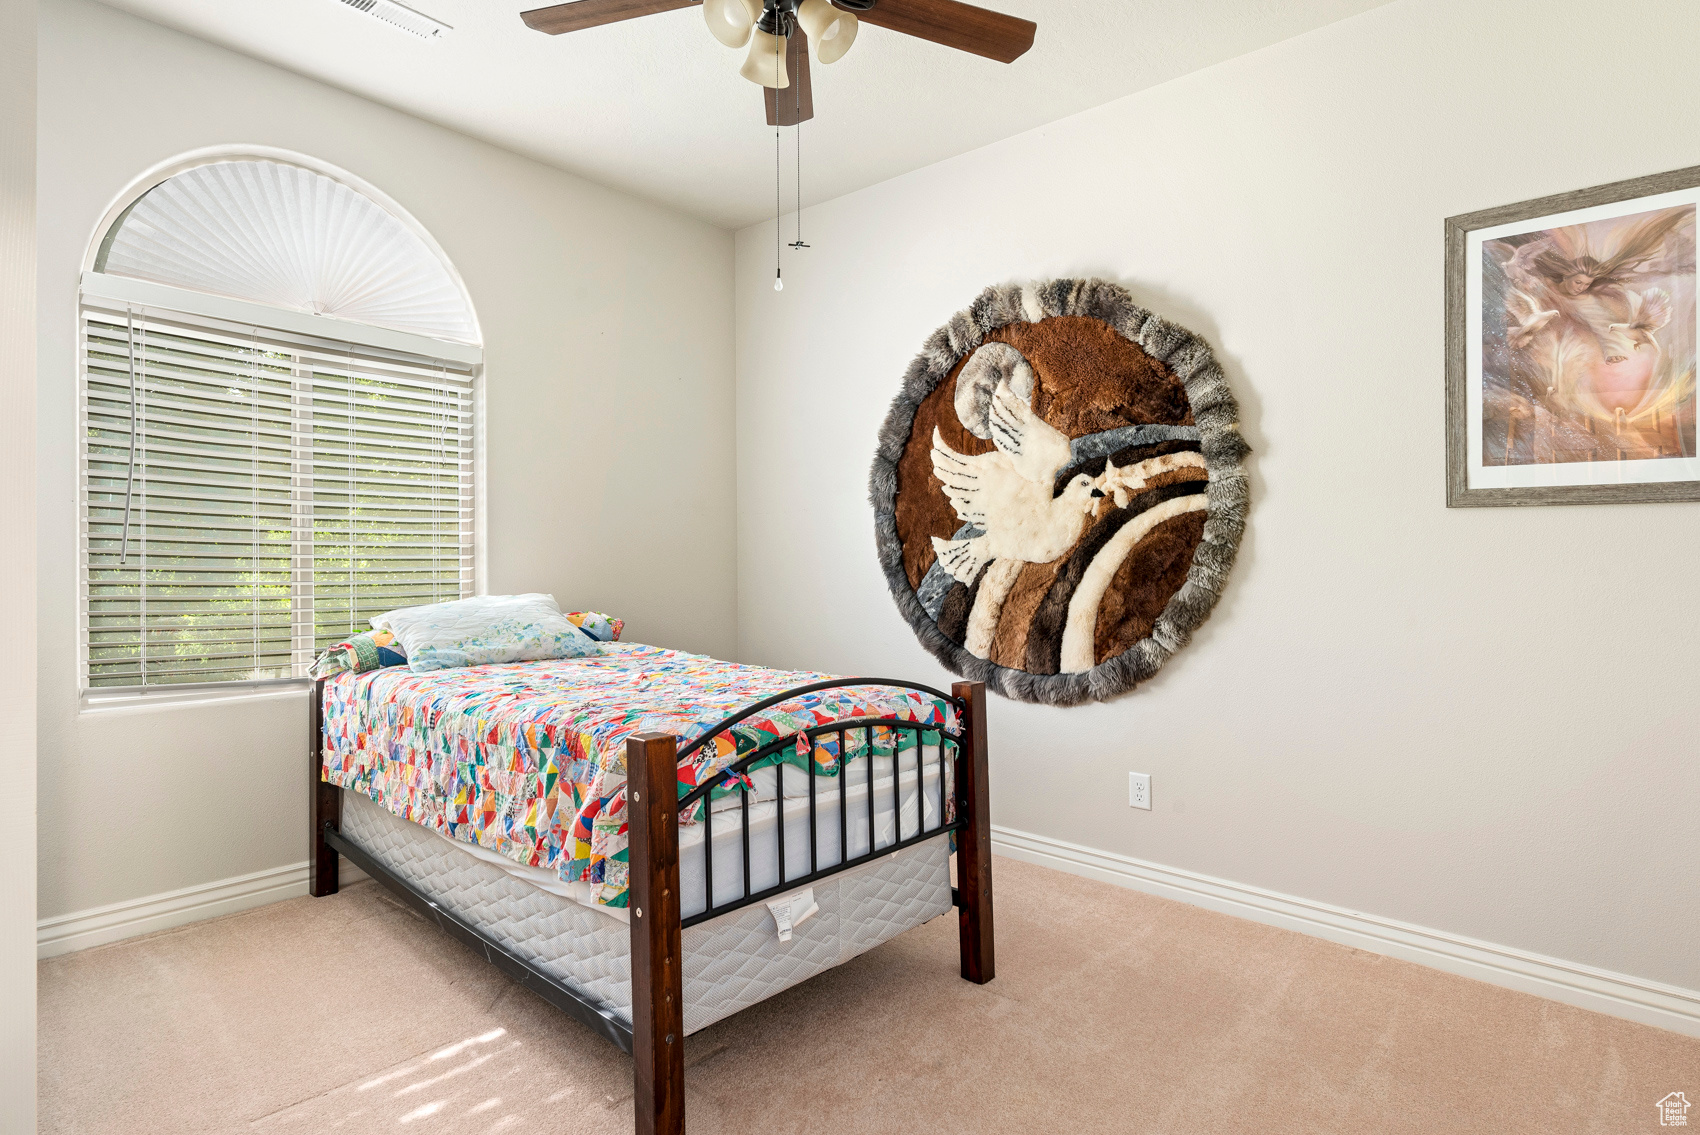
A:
1112,1012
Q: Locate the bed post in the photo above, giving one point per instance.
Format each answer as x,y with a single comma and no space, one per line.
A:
324,804
974,844
658,1010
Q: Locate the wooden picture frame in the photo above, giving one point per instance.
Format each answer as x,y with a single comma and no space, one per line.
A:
1553,310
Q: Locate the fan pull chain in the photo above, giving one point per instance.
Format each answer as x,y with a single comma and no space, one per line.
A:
778,196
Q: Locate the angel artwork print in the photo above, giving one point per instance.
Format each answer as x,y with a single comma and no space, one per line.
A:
1583,367
1588,341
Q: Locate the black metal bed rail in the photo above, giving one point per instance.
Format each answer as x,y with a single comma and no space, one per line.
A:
744,763
949,753
813,687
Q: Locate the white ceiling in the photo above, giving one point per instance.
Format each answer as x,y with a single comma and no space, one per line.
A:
655,106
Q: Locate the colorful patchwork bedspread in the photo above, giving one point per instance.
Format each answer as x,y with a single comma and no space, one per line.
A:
529,759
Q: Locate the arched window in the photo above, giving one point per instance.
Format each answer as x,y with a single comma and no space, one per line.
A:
277,412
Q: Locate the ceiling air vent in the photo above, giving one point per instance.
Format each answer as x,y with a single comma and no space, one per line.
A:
401,16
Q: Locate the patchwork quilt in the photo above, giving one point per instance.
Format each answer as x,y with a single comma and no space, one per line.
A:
528,759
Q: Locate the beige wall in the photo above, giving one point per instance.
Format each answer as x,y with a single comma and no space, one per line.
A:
17,565
1479,721
610,465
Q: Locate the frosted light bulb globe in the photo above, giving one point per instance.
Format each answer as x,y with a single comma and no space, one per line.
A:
831,30
779,285
766,62
730,21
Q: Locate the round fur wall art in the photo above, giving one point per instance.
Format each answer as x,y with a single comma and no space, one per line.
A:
1058,491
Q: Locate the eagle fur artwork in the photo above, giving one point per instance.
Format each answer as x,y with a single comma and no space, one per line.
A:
1058,491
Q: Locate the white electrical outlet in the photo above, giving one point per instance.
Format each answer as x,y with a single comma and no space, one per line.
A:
1139,790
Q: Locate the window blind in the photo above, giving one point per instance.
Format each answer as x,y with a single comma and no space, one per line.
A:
251,496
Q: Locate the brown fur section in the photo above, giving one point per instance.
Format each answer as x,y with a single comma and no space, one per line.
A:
1092,379
1009,644
1176,476
923,511
1153,571
1044,637
958,606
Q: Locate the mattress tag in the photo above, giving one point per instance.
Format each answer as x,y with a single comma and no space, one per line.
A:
791,912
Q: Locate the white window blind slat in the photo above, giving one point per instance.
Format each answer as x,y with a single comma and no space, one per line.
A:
176,545
282,490
216,406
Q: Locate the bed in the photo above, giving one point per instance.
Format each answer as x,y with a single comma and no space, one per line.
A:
653,840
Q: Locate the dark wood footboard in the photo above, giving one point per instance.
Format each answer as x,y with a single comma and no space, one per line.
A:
974,844
656,1037
324,805
652,899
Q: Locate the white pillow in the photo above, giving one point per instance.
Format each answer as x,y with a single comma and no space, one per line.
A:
485,630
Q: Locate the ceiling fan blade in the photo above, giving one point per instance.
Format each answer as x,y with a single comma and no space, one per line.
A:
954,24
583,14
795,103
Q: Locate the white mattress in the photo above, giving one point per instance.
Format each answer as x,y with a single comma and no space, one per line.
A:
732,961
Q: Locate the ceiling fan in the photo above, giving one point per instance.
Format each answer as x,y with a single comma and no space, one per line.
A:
778,33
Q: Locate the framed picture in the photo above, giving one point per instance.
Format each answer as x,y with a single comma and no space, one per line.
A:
1570,343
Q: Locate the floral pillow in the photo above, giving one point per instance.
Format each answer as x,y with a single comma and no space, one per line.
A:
360,653
602,628
485,630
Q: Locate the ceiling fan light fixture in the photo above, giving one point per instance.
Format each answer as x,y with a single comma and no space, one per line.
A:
766,64
830,30
730,21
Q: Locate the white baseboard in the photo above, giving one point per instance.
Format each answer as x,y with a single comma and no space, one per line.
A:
102,924
1648,1002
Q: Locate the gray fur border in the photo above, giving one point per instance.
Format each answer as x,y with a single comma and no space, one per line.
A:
1229,495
